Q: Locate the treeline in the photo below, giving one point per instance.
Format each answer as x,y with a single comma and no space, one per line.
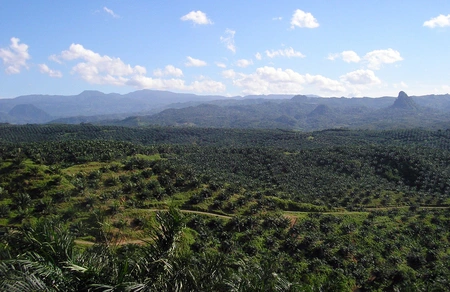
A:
279,138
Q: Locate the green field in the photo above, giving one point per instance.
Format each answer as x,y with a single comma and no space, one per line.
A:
186,209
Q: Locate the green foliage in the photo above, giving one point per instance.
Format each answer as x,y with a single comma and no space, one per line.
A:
267,210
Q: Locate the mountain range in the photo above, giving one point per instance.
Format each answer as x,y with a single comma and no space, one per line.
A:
300,112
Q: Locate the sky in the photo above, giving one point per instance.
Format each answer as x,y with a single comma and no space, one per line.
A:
348,48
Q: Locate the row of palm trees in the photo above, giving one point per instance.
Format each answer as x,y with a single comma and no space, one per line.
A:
44,257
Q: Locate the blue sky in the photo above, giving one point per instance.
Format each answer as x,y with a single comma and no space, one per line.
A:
324,47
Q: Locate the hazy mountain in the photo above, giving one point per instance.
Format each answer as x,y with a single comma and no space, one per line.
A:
301,113
91,103
29,113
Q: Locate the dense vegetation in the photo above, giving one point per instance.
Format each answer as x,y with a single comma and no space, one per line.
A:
189,209
305,113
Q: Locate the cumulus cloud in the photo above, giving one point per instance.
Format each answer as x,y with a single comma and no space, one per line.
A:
361,77
266,80
289,52
270,80
169,70
110,12
228,40
346,56
303,19
374,59
97,69
277,18
43,68
379,57
197,17
228,74
220,65
203,85
206,86
324,83
243,63
15,57
438,21
258,56
195,62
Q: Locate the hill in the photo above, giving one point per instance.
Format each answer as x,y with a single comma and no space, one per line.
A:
301,113
92,103
404,102
149,107
28,113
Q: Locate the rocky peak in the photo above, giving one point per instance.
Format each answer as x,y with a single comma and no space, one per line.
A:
403,101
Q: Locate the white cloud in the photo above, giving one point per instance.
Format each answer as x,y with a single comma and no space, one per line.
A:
350,57
200,86
43,68
333,56
267,80
220,65
169,70
303,19
55,58
277,18
377,58
374,59
228,74
258,56
346,56
289,52
360,77
243,63
206,86
228,40
441,21
15,57
141,81
324,83
110,12
97,69
446,88
197,17
195,62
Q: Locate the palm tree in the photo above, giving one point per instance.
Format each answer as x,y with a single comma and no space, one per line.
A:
35,258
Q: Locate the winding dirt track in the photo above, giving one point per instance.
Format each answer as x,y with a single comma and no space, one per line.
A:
288,214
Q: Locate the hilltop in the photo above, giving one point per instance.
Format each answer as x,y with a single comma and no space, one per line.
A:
300,112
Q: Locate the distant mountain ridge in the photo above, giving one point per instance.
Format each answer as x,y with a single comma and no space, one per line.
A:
93,103
301,112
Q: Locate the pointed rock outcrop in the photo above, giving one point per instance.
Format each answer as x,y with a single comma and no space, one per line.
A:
404,102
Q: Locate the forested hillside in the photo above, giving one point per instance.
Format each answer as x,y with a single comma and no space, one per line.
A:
307,114
106,208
